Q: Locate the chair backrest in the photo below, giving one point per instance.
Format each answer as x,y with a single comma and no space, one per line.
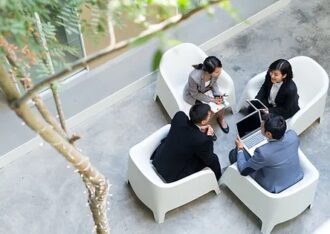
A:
140,155
176,64
311,79
142,161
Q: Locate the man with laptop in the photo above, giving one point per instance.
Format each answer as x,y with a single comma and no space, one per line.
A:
272,161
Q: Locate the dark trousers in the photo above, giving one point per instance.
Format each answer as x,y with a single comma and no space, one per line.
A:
233,155
214,166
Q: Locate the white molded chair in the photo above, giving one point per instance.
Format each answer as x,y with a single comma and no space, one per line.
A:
312,83
161,197
174,69
269,207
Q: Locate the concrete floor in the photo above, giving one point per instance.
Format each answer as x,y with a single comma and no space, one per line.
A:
39,194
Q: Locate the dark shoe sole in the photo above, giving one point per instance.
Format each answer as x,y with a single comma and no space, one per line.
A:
225,130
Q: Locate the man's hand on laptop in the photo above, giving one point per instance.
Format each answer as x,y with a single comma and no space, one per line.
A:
265,111
239,143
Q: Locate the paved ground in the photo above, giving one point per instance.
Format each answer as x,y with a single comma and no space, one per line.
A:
39,194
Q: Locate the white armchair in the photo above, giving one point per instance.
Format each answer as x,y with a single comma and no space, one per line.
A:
161,197
174,69
312,83
269,207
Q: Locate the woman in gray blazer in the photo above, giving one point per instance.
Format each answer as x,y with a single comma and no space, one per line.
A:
203,79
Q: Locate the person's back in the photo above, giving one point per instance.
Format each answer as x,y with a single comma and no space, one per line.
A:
184,151
275,165
281,167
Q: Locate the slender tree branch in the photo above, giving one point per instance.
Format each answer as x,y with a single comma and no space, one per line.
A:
27,83
48,61
95,182
153,29
58,105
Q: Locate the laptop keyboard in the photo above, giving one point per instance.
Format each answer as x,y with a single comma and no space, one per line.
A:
254,140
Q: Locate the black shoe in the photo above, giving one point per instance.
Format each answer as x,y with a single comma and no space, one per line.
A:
225,130
214,137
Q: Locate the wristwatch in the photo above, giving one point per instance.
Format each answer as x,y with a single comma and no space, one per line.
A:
240,150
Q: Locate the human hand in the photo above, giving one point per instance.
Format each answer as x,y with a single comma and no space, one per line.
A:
204,129
265,111
209,131
218,100
239,143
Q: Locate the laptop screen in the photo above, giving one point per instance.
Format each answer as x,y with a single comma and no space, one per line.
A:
257,104
248,124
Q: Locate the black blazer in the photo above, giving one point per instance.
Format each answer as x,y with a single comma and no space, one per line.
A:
184,151
286,99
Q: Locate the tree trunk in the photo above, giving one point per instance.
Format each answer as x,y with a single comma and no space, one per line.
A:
95,182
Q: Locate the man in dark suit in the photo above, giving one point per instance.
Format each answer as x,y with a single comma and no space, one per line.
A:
188,147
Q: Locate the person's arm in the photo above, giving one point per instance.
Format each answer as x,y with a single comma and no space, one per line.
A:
246,167
193,90
206,155
284,108
263,91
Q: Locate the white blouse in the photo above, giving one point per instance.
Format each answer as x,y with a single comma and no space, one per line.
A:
273,93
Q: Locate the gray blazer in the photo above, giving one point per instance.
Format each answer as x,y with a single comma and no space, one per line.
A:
195,88
276,163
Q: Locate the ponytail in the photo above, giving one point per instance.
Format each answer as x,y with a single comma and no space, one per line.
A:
209,64
198,66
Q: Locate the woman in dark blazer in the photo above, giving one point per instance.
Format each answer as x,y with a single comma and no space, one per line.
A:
279,92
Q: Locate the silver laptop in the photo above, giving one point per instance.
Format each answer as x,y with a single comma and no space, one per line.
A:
249,130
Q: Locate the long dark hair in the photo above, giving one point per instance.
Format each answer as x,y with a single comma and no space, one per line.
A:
283,66
209,64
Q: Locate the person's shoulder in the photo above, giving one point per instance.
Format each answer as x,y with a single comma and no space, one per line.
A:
267,149
261,150
180,115
291,134
291,85
196,74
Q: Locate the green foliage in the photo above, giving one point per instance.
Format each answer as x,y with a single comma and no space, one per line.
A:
21,36
183,5
156,59
232,11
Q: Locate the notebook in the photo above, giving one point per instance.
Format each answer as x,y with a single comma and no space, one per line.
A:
215,107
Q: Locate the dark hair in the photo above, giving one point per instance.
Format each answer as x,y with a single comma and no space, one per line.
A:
275,124
209,64
199,112
283,66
